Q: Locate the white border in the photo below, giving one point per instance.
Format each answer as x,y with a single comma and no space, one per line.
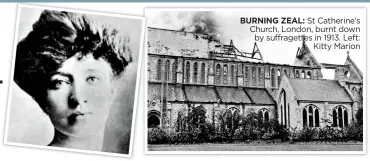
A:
364,145
138,73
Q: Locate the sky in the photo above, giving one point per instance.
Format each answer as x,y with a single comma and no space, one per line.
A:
229,27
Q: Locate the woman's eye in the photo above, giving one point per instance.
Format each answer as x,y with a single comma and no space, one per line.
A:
59,83
92,79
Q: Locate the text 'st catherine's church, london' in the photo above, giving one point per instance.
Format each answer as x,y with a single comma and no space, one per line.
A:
190,71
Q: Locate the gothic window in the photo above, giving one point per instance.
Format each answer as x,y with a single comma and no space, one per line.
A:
303,75
225,70
167,71
187,72
311,116
263,114
153,118
309,75
246,76
297,74
218,74
317,118
304,115
273,77
261,77
284,112
203,73
195,72
174,71
159,69
232,118
340,116
232,74
281,109
254,80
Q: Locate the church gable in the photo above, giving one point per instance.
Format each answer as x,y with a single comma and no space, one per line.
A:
305,57
353,74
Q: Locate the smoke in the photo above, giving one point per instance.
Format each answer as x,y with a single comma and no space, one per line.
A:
204,22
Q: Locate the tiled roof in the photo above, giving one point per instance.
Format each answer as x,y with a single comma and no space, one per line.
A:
233,94
319,90
200,93
259,96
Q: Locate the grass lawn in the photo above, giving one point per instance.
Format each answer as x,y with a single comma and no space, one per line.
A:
311,146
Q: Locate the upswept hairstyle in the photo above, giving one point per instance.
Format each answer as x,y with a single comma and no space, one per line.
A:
57,36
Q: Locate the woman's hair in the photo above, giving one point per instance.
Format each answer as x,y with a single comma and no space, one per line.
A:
57,36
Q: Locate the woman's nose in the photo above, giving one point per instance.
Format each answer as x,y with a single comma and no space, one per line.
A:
73,100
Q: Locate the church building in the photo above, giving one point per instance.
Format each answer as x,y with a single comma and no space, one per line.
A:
190,71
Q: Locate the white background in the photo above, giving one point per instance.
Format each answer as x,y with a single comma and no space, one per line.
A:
7,28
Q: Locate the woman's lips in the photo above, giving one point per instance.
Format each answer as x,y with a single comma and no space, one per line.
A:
74,117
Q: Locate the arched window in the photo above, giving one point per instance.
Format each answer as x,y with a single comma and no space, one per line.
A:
195,72
254,80
203,73
218,74
261,77
153,119
303,75
267,116
297,74
284,112
309,75
263,114
174,71
311,114
187,72
317,118
232,118
335,118
340,117
167,71
232,75
159,69
225,73
273,77
246,76
279,77
304,115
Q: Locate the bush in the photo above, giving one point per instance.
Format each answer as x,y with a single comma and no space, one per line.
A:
158,136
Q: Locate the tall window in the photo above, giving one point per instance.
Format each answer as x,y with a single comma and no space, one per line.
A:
279,77
203,73
297,74
218,74
246,76
261,77
159,69
273,77
340,116
303,75
309,75
225,74
167,71
195,74
187,72
174,71
254,80
264,115
311,113
232,74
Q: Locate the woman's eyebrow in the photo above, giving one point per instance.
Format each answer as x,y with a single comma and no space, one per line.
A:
69,76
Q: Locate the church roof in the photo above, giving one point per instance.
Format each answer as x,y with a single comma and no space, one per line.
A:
259,96
200,93
319,90
175,93
233,94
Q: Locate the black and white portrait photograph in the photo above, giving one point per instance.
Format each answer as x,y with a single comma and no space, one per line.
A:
74,80
255,80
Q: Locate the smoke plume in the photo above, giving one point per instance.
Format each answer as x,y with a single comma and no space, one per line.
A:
204,22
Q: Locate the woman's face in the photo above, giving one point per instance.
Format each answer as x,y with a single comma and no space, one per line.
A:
79,97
